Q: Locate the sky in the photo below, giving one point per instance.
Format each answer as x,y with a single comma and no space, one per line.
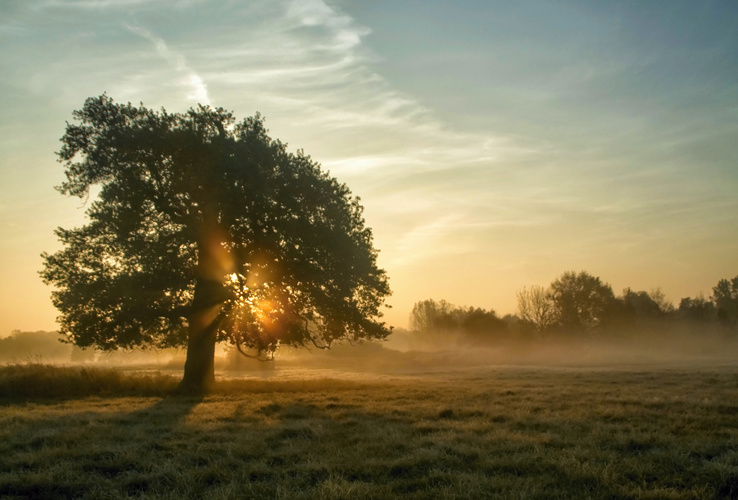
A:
494,144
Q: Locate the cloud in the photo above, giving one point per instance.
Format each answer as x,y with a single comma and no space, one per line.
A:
310,65
309,71
345,34
93,4
442,236
113,4
13,28
198,91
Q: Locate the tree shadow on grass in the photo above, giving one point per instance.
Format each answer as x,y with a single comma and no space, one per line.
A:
246,445
90,447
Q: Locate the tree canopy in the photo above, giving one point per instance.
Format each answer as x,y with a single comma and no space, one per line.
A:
206,229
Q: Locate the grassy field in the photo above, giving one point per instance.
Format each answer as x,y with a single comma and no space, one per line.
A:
494,432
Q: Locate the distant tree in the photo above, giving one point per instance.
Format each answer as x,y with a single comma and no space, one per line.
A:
640,304
725,298
639,310
582,301
519,329
480,326
429,315
536,306
697,309
33,346
658,296
473,324
205,229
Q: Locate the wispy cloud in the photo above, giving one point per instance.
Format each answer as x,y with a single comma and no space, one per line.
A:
345,33
442,236
305,65
188,78
12,28
92,4
310,64
113,4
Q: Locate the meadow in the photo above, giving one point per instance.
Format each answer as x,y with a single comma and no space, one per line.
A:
447,432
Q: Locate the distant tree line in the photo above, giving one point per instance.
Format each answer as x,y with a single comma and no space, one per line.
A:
46,347
39,346
582,305
474,324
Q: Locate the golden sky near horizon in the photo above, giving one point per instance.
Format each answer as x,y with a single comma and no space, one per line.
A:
494,144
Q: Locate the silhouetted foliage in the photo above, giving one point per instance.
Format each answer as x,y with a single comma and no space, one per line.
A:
582,301
638,313
697,309
640,304
475,325
637,309
725,298
205,229
577,303
480,326
429,315
658,296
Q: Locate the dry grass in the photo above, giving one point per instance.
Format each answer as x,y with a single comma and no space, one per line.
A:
481,433
35,380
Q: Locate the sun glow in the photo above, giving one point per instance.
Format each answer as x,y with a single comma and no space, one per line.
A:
255,316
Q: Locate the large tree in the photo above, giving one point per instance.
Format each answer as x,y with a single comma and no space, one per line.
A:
204,230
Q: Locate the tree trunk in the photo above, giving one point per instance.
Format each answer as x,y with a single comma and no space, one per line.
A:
214,263
199,369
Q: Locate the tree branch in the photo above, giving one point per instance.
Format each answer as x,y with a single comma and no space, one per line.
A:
257,358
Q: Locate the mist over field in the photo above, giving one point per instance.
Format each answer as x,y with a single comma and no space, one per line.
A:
405,352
